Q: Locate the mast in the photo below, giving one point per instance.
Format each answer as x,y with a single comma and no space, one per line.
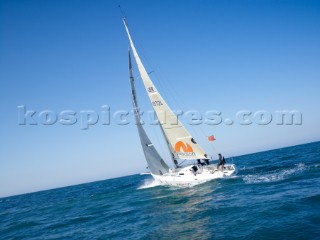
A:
156,164
180,142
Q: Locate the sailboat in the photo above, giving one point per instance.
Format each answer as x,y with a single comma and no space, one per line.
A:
181,145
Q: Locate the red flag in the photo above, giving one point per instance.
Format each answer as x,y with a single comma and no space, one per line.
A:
211,138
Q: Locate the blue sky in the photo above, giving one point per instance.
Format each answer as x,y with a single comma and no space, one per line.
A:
206,55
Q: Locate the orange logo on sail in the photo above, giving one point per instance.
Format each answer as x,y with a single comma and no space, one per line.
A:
183,147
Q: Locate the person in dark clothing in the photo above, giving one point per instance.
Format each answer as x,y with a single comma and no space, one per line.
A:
222,161
194,169
200,163
207,161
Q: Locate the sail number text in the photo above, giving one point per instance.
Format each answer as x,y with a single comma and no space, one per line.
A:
150,89
157,103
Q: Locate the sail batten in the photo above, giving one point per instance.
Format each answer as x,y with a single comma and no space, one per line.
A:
180,142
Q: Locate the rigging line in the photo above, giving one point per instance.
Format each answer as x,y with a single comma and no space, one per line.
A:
207,145
172,96
161,143
155,137
123,14
139,77
210,145
176,96
159,83
177,103
149,65
181,163
193,129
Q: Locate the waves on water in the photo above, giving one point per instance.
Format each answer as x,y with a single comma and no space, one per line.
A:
277,175
276,195
149,183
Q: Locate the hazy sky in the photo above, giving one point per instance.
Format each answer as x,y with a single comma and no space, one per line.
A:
226,56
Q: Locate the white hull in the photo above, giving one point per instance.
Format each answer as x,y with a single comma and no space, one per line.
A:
187,177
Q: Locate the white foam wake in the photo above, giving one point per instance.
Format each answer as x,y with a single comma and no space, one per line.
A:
274,176
149,183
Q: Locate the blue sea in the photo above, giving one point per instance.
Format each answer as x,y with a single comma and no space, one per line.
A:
276,195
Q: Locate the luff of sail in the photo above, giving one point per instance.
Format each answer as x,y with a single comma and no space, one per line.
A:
156,164
181,144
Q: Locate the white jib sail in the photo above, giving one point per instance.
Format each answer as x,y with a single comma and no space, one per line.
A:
181,144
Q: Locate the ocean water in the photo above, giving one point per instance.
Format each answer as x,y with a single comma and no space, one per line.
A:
276,195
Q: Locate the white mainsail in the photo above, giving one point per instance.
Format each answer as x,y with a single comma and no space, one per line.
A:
156,164
181,144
